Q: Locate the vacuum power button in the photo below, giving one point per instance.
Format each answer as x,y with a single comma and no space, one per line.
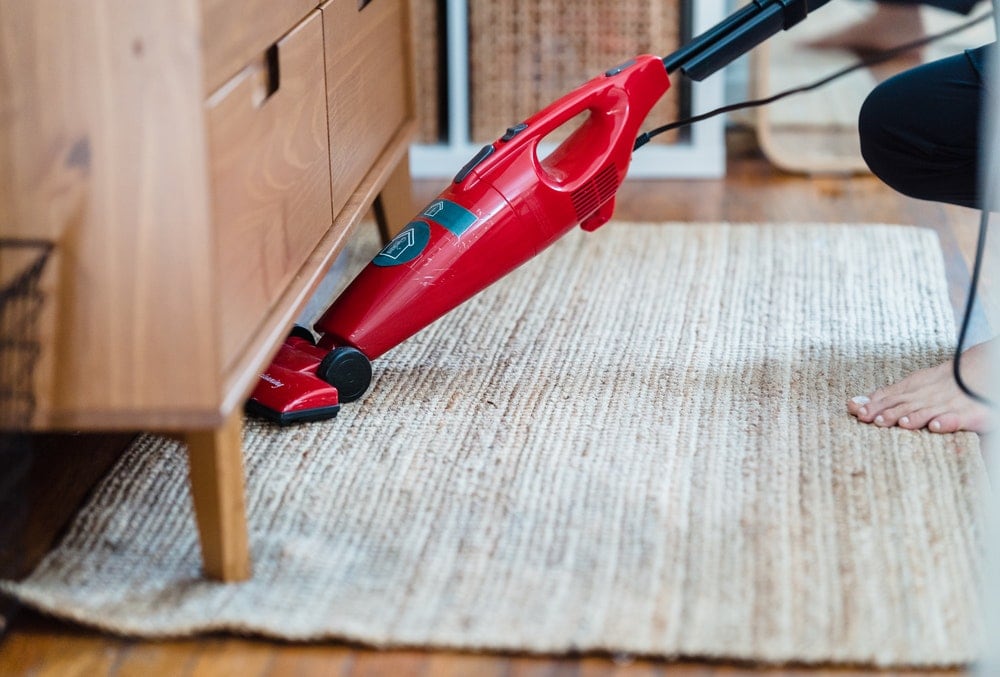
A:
513,131
619,68
483,153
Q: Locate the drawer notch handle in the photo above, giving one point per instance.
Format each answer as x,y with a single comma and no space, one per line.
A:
270,76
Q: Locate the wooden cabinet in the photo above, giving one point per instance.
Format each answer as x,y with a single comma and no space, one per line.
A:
235,32
197,164
269,164
367,89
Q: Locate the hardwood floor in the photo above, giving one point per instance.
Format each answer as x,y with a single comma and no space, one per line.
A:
40,647
752,192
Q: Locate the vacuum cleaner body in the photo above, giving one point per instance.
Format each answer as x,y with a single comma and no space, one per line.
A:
504,207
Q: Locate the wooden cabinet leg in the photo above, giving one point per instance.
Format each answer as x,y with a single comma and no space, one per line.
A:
394,205
216,460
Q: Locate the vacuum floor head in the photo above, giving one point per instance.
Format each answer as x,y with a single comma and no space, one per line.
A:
307,383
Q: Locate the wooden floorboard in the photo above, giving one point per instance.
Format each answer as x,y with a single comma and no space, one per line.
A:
752,192
37,646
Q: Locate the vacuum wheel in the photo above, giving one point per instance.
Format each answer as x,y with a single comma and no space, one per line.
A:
348,370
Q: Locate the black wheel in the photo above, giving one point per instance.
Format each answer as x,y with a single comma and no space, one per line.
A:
348,370
302,333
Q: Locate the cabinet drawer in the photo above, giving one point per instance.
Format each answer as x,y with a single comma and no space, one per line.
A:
235,30
368,93
270,172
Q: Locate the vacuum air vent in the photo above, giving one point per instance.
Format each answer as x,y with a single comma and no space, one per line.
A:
592,194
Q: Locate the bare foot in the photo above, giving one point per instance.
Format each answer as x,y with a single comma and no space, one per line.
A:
889,26
931,399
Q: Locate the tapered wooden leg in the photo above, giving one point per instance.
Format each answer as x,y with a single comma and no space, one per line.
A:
216,459
394,205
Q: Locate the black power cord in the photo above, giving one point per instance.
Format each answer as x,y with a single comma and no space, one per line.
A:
984,219
877,58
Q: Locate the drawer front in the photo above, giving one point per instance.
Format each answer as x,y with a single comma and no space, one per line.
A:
234,31
368,85
270,178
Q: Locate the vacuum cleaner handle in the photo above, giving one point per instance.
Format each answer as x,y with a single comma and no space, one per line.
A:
584,171
616,102
590,146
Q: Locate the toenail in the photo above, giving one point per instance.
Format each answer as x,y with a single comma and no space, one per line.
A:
905,420
863,411
879,420
860,399
935,425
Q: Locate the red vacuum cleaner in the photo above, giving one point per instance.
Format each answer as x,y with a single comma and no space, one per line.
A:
502,208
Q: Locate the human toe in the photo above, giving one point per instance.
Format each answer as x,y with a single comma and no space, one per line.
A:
875,407
891,416
919,419
856,405
945,423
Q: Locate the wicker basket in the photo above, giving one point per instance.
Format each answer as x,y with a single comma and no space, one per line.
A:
524,54
21,299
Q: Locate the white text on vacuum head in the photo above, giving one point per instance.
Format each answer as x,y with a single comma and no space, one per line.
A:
273,381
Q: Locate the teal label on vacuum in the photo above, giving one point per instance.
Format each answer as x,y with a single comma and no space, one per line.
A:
406,246
452,216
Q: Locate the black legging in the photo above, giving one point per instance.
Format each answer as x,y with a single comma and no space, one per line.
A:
920,129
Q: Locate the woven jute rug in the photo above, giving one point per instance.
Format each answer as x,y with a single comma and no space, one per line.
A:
635,443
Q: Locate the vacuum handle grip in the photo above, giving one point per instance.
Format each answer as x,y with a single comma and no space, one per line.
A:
590,146
585,169
617,102
562,110
592,142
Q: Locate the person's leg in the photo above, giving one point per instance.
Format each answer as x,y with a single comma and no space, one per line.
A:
919,130
919,133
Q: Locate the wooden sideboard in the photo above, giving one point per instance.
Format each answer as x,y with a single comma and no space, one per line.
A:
198,165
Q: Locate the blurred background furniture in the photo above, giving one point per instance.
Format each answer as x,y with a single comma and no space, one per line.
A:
484,66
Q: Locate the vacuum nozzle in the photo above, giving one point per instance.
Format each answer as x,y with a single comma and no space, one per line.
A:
736,35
